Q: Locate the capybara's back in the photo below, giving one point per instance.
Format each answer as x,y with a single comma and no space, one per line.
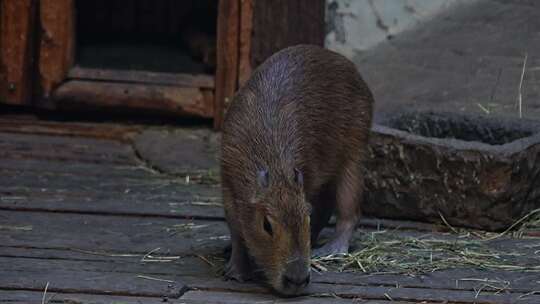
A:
294,138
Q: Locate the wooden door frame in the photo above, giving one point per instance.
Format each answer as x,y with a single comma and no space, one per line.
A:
234,48
228,33
54,31
17,29
65,85
250,31
57,46
238,53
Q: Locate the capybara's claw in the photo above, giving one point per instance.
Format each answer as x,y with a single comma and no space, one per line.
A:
233,273
331,248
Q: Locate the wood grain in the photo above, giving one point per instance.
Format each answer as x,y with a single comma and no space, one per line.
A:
169,100
145,77
57,45
246,35
71,215
282,23
70,129
227,57
17,20
24,296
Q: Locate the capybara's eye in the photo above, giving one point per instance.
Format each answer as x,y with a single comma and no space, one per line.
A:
267,226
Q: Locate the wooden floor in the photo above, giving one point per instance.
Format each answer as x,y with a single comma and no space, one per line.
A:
85,219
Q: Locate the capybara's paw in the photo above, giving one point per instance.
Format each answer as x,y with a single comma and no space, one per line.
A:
234,272
331,248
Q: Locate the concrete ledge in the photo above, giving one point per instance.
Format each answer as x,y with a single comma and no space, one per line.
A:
475,171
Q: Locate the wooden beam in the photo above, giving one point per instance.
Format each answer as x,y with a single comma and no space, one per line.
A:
227,56
17,19
20,126
57,45
246,33
181,80
282,23
154,98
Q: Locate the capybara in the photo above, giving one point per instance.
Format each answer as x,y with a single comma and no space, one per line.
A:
294,139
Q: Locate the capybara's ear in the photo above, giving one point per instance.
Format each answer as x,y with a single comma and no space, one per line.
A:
263,178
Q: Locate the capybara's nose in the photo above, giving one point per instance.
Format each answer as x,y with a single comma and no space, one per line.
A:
295,281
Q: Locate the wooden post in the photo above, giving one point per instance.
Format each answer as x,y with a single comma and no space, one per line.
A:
281,23
17,20
250,31
227,56
246,32
57,46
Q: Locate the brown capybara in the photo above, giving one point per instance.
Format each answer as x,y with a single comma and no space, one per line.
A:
293,143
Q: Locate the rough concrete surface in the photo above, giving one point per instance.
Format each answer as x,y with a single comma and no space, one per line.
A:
179,152
467,59
357,25
483,173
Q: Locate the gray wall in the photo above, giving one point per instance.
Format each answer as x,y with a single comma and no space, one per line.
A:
356,25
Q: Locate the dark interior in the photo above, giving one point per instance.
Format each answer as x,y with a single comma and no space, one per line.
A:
160,35
475,128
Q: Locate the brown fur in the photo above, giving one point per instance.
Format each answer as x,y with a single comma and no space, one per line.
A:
305,108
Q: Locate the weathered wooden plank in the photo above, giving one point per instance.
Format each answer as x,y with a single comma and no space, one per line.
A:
392,293
452,279
94,236
55,267
117,195
113,278
118,190
64,140
208,100
142,234
110,233
33,297
190,267
92,130
227,56
169,100
68,262
248,298
65,148
280,24
246,31
121,191
146,184
57,49
143,77
197,274
63,155
17,20
425,294
68,168
195,297
158,199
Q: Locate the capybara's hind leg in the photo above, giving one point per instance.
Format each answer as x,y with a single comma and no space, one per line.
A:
349,194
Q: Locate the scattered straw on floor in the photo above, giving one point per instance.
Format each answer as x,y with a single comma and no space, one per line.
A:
184,227
527,225
387,252
43,299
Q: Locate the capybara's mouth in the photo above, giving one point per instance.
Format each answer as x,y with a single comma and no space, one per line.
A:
290,291
290,288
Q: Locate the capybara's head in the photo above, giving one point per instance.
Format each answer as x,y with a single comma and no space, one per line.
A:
277,231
